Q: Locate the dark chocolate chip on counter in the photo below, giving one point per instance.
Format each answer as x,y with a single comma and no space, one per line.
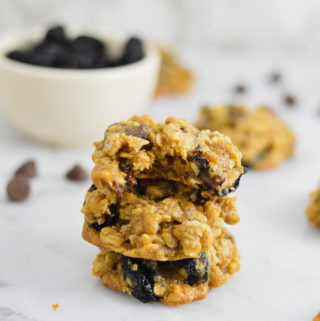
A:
290,100
275,77
18,189
27,169
240,89
77,173
140,131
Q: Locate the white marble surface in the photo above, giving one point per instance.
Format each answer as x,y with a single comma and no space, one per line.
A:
43,259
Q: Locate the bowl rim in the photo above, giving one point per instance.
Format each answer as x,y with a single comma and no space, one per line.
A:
10,39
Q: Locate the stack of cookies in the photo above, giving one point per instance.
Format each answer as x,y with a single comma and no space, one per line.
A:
157,209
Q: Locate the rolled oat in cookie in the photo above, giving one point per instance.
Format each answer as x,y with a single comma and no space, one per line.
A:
159,224
175,150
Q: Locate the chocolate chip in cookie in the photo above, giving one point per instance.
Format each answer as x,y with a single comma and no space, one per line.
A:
203,164
27,169
140,131
18,189
77,174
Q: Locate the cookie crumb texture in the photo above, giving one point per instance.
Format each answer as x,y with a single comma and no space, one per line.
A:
313,210
169,221
55,306
263,139
173,151
170,282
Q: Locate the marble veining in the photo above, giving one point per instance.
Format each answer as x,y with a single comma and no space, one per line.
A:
7,314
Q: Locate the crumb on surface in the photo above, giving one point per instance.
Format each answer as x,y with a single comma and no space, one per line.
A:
55,306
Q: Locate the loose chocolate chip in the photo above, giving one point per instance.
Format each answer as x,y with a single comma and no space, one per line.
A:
275,77
240,89
111,219
203,164
133,51
27,169
139,278
18,188
290,100
140,131
92,188
77,173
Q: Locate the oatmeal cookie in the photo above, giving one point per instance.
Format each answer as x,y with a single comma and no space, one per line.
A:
170,282
263,139
174,151
157,220
173,78
313,210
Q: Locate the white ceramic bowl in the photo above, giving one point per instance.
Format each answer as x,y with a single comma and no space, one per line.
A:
73,107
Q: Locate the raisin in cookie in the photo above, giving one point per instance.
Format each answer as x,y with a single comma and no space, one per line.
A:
171,282
174,151
157,220
263,139
313,210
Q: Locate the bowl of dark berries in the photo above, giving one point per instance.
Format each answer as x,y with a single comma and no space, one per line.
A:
63,88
